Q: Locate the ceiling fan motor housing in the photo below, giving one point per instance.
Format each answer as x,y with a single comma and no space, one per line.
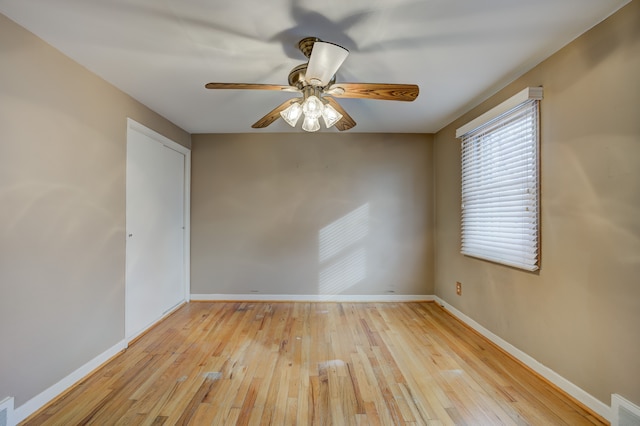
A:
297,77
306,45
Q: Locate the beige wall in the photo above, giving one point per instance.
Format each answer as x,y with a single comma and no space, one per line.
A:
312,214
62,212
580,315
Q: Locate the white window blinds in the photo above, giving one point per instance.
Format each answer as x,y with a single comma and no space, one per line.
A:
500,206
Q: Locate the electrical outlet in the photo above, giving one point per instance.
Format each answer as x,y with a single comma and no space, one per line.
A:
459,288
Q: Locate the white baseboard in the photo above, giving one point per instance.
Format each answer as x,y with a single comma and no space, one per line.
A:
40,400
311,297
574,391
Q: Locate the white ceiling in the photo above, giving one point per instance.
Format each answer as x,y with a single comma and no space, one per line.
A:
162,52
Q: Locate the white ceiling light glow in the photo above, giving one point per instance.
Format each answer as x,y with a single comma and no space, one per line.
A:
312,107
292,114
330,115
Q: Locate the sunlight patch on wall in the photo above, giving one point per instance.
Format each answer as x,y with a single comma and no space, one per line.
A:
344,232
344,273
342,257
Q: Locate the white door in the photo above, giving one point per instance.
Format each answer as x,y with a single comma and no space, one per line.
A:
155,221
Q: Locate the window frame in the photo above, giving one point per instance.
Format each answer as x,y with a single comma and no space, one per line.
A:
482,232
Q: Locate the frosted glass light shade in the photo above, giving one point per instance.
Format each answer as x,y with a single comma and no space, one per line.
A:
292,114
312,107
330,116
310,124
324,61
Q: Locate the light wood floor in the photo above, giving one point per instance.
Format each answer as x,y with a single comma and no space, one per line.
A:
312,363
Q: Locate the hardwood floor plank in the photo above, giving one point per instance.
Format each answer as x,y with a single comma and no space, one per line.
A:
252,363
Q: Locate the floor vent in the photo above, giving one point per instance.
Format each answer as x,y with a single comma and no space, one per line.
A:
624,413
6,412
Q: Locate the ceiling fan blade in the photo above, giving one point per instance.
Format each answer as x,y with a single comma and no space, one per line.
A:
272,115
382,91
346,122
251,86
324,61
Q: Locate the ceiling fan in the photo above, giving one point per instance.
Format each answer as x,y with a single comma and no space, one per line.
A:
316,81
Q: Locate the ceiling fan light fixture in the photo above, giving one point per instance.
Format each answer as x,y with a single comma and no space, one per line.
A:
330,115
316,80
292,114
310,124
312,107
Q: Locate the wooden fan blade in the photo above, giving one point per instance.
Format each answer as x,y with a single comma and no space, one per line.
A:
251,86
272,115
346,122
383,91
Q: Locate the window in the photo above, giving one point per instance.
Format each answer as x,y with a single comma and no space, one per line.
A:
500,183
